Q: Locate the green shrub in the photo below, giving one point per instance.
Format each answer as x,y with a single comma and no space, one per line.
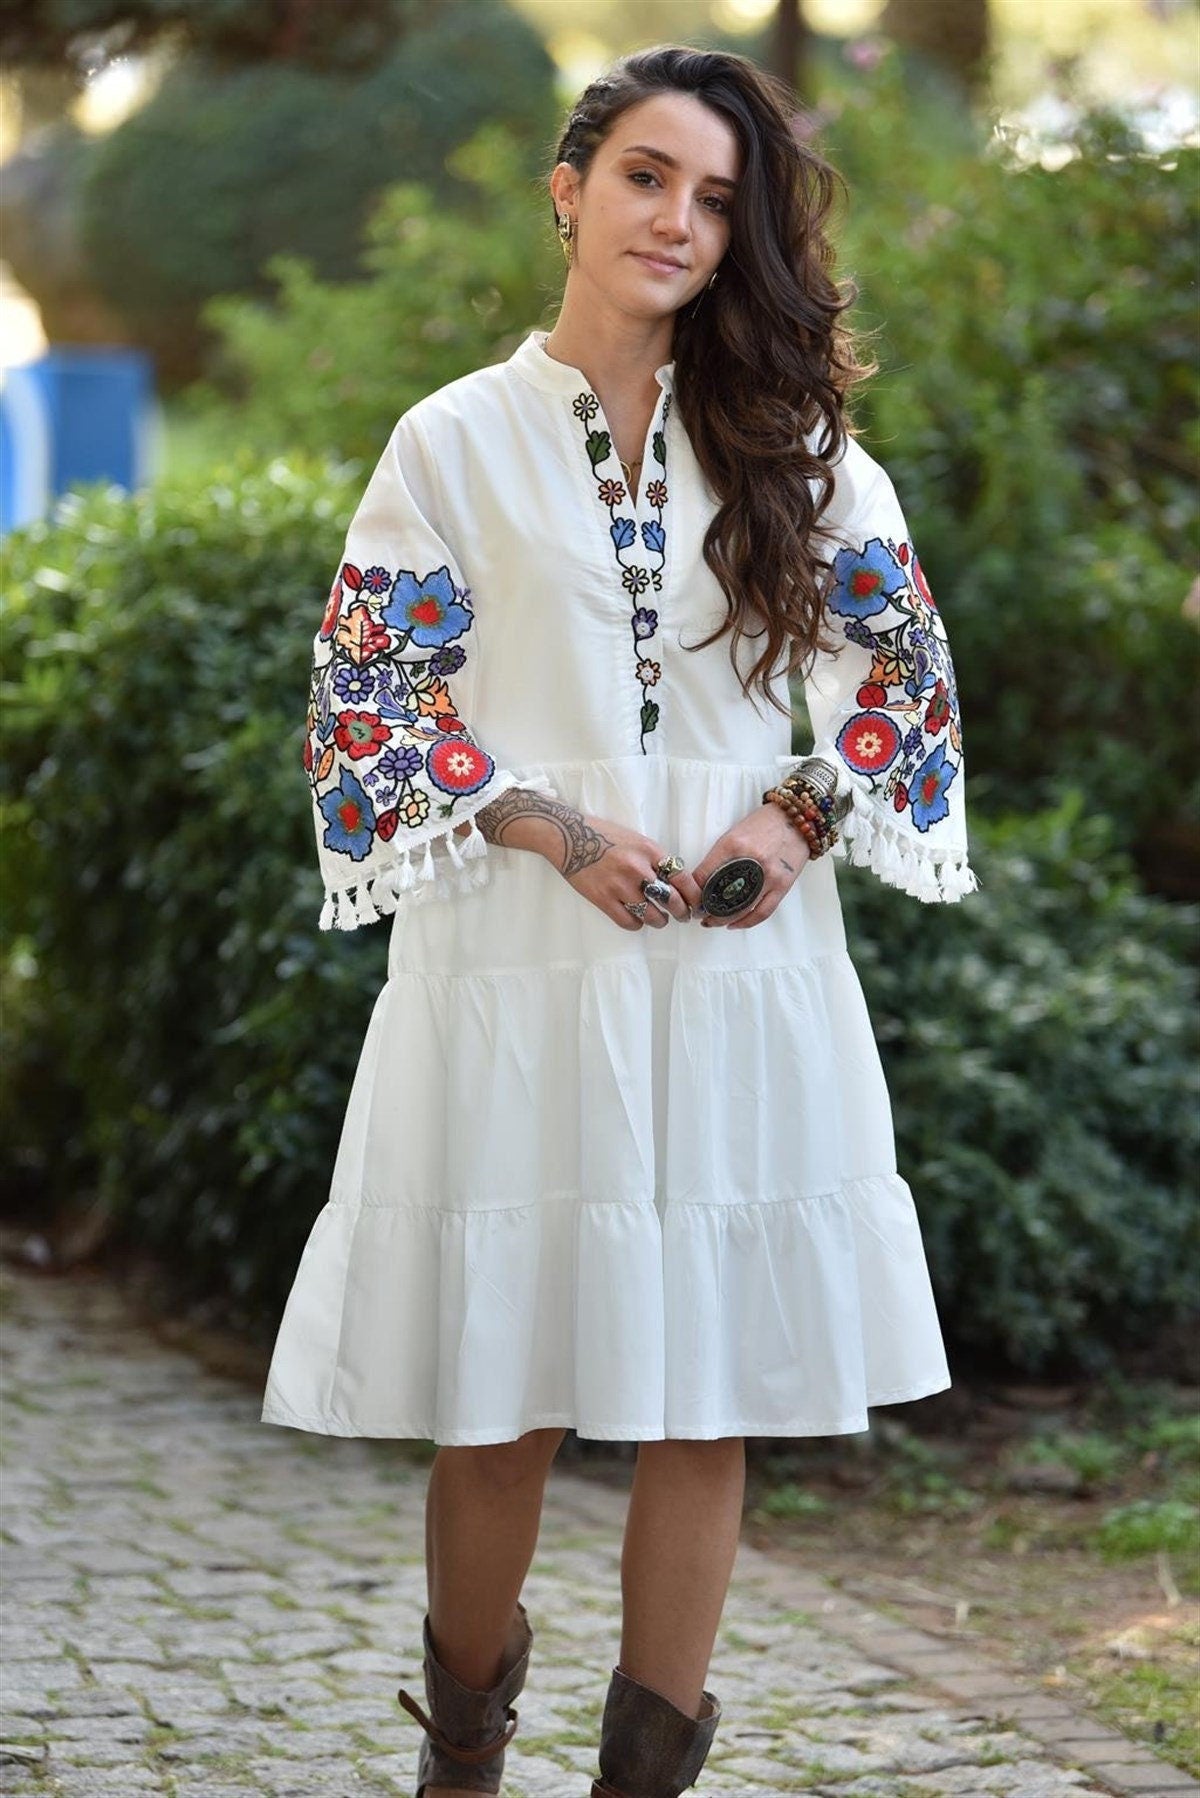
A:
226,167
328,367
200,1033
1040,1043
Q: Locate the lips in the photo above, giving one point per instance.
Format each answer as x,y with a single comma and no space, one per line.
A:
665,264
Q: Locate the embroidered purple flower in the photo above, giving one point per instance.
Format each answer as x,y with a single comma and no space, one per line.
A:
860,633
913,741
928,788
865,579
427,611
354,684
400,764
376,580
349,818
645,623
448,660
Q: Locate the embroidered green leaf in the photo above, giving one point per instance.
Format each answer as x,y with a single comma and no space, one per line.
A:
599,443
649,716
660,448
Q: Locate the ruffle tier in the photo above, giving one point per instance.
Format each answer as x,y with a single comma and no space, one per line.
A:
643,1197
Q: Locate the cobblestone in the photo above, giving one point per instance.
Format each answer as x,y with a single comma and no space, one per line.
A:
199,1605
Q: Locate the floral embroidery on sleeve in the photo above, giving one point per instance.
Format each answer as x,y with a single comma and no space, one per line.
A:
383,723
641,564
907,729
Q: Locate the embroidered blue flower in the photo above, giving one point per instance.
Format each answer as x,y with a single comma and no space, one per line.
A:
400,764
350,817
354,683
927,792
864,580
427,611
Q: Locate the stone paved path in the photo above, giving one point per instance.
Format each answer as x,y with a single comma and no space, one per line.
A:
199,1605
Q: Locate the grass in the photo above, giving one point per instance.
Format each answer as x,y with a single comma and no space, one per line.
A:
1062,1540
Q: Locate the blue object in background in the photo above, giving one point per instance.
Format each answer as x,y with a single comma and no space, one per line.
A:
73,415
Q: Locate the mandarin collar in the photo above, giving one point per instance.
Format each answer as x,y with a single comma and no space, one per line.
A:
533,361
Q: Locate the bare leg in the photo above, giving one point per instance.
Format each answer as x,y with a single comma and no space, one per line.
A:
483,1507
681,1537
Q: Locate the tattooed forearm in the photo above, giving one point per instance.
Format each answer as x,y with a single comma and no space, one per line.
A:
582,844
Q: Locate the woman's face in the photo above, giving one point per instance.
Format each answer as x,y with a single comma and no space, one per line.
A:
652,218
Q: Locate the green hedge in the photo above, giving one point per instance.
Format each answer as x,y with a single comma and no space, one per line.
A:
169,997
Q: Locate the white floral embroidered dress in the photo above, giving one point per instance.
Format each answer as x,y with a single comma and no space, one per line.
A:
639,1183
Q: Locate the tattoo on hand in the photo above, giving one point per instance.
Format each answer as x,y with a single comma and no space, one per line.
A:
787,865
582,845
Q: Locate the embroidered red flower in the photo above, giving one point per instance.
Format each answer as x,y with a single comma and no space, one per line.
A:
360,733
868,742
459,767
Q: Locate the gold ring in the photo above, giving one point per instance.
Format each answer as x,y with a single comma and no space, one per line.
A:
670,864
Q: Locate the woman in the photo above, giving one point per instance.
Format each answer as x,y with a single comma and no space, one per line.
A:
618,1154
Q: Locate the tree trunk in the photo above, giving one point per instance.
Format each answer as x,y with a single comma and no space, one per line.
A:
955,35
791,43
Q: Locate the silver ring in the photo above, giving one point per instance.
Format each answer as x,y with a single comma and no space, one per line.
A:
658,890
639,911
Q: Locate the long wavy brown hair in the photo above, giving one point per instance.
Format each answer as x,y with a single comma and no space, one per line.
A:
768,340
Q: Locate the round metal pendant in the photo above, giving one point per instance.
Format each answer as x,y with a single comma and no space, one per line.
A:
732,887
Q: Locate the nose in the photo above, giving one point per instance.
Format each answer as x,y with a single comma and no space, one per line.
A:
672,219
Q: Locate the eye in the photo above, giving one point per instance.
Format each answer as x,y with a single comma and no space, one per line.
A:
719,206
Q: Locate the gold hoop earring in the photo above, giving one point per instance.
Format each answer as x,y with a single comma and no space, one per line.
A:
566,232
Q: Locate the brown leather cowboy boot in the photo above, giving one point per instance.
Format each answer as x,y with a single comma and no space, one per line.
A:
649,1748
466,1732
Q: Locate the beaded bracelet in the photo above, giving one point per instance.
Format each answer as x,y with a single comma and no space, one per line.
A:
806,815
810,799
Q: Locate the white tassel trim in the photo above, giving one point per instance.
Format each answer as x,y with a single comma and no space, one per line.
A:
930,873
461,866
869,839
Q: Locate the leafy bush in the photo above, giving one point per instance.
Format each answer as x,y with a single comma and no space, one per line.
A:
190,1036
226,167
1040,1045
328,367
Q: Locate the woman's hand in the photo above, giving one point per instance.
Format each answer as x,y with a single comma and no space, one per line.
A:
604,861
772,839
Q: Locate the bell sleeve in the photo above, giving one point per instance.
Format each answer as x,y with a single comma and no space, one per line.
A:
884,704
393,764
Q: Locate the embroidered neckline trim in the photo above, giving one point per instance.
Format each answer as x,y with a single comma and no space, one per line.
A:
644,571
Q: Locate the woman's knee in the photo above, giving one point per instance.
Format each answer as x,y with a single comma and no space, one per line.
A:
508,1464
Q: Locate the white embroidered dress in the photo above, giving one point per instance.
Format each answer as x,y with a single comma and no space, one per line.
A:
642,1183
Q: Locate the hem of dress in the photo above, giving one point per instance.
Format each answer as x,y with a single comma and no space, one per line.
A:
852,1425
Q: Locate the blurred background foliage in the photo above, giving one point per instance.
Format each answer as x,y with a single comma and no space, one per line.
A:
316,228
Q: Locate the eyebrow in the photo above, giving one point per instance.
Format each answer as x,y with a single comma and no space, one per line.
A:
672,162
